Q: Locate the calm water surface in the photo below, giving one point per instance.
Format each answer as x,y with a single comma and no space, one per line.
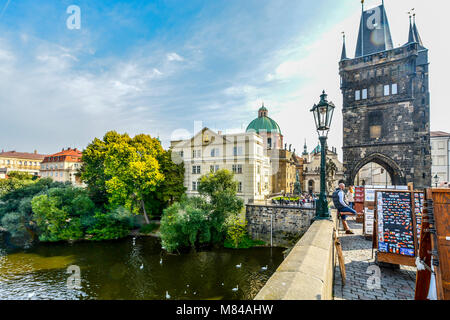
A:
123,270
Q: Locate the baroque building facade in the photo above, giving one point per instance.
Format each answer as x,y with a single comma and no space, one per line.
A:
20,161
286,165
243,154
311,170
62,166
386,103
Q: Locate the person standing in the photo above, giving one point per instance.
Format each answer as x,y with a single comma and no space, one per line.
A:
351,197
342,207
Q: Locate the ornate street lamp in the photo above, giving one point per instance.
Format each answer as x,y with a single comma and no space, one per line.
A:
436,180
323,114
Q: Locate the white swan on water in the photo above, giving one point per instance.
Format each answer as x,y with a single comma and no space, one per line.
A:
264,268
167,295
141,267
235,289
239,265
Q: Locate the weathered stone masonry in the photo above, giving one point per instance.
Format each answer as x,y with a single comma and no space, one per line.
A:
288,224
388,128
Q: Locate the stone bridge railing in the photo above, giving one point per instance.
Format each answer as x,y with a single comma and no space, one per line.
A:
307,272
278,225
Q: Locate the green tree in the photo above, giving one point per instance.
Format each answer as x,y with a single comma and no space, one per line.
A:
15,181
220,189
16,215
172,188
201,220
123,171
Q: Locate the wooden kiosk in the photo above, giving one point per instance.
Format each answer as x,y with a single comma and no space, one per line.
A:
434,252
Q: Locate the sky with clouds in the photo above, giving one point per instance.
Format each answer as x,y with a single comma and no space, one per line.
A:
162,66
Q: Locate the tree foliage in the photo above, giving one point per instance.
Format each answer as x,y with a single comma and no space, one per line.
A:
15,181
198,221
135,173
52,211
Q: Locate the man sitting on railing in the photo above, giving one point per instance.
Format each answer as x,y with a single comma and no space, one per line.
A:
343,209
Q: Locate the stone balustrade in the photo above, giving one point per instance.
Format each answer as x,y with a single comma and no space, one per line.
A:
307,272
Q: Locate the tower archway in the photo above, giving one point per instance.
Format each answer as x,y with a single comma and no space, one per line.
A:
397,176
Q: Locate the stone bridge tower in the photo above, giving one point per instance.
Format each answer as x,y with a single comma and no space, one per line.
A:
386,103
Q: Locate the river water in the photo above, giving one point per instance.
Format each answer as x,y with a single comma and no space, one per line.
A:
134,269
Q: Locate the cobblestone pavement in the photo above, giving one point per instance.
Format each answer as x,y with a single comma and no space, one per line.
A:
394,285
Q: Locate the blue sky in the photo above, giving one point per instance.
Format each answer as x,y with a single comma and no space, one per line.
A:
157,67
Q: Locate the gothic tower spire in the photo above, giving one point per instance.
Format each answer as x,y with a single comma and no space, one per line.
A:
344,50
416,32
411,37
374,32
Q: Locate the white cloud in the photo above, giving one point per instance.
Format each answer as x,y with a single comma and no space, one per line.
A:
174,57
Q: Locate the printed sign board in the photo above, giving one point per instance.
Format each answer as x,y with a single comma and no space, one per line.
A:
395,223
370,195
368,221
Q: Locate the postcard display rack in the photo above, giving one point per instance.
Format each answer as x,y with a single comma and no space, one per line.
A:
369,210
395,226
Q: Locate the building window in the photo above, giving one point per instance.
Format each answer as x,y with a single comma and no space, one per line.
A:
237,151
237,168
215,152
394,88
357,95
196,153
364,94
269,143
194,185
240,187
195,169
181,154
214,168
386,90
375,123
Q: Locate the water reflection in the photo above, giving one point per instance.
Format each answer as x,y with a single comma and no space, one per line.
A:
128,269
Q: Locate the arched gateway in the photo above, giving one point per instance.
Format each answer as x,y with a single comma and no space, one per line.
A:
394,170
386,103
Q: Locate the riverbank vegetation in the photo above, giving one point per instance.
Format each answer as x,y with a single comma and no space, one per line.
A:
212,218
125,177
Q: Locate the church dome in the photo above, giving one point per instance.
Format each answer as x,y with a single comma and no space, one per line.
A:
263,123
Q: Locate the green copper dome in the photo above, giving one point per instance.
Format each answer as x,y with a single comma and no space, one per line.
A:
263,123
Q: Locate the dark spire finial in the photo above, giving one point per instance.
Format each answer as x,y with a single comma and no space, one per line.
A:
344,49
416,32
411,37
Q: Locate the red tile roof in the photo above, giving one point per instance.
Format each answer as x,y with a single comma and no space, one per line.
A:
22,155
69,155
439,134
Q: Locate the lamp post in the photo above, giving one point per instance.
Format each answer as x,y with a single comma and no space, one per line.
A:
436,180
323,113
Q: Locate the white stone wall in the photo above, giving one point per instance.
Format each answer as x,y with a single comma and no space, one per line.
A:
245,150
440,153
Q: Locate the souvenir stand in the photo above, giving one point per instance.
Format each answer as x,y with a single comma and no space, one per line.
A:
433,275
395,227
